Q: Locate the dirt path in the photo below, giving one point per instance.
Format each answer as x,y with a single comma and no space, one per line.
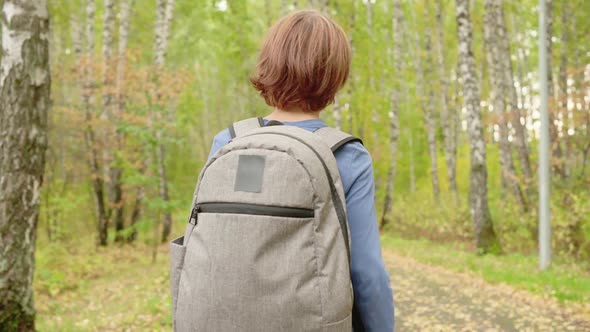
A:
430,298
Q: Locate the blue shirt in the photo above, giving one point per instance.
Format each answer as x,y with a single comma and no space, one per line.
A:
373,296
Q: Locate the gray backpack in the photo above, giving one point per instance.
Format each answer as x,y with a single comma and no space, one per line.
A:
267,245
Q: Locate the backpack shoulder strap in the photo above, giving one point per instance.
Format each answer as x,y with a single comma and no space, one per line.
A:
336,138
240,128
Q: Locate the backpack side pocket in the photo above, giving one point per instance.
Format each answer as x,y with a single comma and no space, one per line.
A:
177,252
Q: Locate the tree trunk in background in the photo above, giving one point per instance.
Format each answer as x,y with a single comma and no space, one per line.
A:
77,35
578,98
445,122
284,7
108,43
562,80
557,154
337,113
147,163
412,164
107,143
338,104
485,236
25,84
456,113
525,82
164,16
370,66
90,137
394,113
324,6
268,9
429,118
427,108
496,74
520,135
162,35
115,172
351,79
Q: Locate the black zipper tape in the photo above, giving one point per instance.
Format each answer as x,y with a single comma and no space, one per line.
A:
254,209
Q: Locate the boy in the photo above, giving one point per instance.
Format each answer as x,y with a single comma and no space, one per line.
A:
304,61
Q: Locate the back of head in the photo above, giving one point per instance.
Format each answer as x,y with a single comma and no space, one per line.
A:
304,61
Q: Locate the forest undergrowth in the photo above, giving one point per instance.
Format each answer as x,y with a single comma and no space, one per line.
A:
81,287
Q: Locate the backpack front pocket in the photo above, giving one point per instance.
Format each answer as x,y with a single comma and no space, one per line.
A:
250,268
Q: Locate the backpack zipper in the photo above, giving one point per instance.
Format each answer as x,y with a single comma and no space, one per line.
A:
253,209
194,216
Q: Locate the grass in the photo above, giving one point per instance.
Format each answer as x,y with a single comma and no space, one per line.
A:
567,282
79,287
118,288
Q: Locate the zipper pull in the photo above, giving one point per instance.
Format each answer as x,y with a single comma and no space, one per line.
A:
194,216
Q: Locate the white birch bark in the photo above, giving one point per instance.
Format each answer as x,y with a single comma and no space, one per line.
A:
445,117
397,22
412,163
515,114
94,161
581,118
165,11
429,120
106,131
497,74
564,114
557,153
116,173
24,104
352,78
122,52
427,107
77,36
107,49
375,118
485,236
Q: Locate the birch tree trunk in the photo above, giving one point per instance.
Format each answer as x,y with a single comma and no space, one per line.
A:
165,14
113,184
107,53
562,79
284,7
429,120
351,80
337,112
427,106
445,121
397,22
523,67
578,99
412,163
485,236
90,136
557,153
77,36
497,97
496,74
268,10
115,172
515,115
25,84
370,66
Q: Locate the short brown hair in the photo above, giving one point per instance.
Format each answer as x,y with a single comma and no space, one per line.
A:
304,61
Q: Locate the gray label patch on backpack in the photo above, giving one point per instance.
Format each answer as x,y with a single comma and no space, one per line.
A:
250,173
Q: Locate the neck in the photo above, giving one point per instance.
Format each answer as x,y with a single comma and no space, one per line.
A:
292,115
